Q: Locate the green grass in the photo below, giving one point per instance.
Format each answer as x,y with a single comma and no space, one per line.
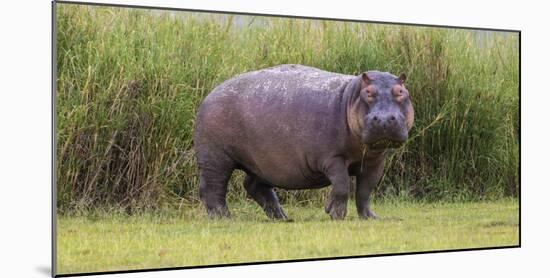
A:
129,83
185,237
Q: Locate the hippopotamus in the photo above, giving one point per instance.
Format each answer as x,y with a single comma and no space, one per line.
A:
298,127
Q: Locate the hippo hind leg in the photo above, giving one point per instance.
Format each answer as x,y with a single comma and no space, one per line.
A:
265,196
213,181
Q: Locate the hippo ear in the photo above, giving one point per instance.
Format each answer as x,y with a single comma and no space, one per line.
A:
366,79
402,78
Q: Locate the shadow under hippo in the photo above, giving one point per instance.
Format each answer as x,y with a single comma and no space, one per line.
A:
298,127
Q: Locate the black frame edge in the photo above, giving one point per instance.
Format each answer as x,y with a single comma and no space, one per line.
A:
519,138
53,138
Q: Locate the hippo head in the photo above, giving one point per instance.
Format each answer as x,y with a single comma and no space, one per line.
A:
386,113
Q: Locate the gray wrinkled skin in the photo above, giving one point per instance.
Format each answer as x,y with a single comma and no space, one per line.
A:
297,127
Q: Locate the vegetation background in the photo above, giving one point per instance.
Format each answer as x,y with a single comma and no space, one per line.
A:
129,83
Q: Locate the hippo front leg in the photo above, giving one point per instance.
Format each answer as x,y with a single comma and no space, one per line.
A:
337,201
367,179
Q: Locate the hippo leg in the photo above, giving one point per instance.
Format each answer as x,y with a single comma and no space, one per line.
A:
337,201
213,189
367,179
265,196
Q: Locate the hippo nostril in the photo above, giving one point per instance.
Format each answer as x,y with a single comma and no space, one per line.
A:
374,118
392,118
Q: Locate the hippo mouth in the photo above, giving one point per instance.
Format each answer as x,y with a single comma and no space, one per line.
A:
385,144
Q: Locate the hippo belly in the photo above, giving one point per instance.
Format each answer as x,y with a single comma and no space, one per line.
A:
287,176
279,163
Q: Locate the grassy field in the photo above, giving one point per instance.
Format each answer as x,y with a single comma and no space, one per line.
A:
112,241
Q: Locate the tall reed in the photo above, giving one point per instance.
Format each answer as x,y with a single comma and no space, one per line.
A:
129,83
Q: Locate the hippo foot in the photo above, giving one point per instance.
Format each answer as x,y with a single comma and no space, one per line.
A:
218,212
276,213
369,214
336,208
